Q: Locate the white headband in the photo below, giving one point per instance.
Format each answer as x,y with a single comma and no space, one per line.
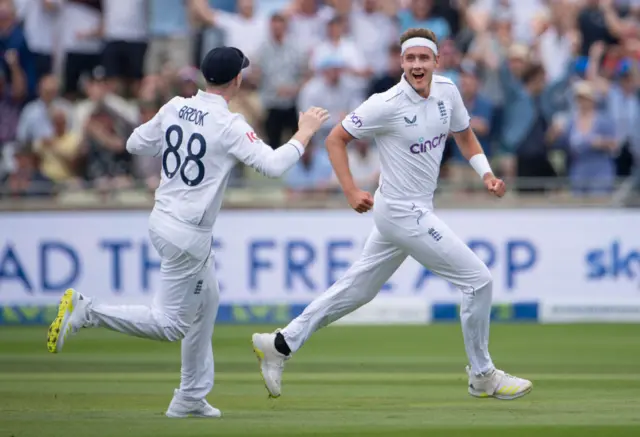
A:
419,42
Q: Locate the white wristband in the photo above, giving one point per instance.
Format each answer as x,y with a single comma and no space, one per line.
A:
480,164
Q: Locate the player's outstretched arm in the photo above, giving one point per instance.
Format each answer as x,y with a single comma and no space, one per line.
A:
336,143
471,149
252,151
146,139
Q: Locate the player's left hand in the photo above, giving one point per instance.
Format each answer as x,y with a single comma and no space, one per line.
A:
494,185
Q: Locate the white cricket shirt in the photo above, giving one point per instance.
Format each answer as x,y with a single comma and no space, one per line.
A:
410,132
200,141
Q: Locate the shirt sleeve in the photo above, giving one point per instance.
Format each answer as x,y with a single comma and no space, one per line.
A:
368,119
146,139
246,147
459,114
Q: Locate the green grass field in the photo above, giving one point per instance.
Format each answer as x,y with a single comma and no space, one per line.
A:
347,381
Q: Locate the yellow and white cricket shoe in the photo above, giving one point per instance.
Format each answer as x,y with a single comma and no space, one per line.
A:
498,384
271,362
182,409
72,315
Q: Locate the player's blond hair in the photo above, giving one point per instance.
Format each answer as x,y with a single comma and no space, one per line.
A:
418,32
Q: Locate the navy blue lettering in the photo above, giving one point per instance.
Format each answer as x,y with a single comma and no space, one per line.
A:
257,263
485,251
47,251
116,271
333,263
192,115
11,268
298,267
518,264
149,264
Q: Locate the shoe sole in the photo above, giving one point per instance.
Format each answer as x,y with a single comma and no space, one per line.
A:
190,416
483,395
260,356
59,328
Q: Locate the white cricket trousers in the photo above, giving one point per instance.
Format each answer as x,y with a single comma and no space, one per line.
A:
185,308
403,229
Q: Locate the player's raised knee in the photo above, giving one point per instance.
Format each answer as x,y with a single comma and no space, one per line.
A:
484,277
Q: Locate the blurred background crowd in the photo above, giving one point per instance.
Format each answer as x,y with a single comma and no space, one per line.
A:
552,87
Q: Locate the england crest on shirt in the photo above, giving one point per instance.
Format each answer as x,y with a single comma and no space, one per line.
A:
443,112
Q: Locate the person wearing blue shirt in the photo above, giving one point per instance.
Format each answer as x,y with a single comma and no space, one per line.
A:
311,174
12,38
170,35
481,111
420,15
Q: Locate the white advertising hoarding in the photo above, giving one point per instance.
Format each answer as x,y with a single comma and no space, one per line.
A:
292,256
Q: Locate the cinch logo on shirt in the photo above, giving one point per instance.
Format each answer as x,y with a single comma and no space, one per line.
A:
424,146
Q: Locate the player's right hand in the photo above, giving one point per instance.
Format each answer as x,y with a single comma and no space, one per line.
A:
312,119
361,201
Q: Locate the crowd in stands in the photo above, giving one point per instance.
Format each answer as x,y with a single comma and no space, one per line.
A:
552,86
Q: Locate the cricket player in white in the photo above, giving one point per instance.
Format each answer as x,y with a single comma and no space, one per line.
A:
199,141
409,123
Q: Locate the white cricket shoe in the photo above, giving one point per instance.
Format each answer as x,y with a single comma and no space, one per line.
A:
498,384
181,409
271,361
72,315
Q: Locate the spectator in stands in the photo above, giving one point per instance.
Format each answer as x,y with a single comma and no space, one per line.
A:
491,46
337,44
311,176
107,164
12,96
187,82
623,101
98,94
529,132
280,72
245,29
81,42
148,168
41,28
374,33
598,21
12,39
556,41
572,39
481,112
449,62
420,14
307,25
35,122
590,138
58,153
169,36
125,34
331,91
27,180
392,75
364,164
521,13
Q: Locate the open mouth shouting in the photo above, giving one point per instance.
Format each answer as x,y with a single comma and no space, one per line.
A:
418,76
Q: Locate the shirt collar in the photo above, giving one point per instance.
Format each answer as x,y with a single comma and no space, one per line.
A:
213,98
412,94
